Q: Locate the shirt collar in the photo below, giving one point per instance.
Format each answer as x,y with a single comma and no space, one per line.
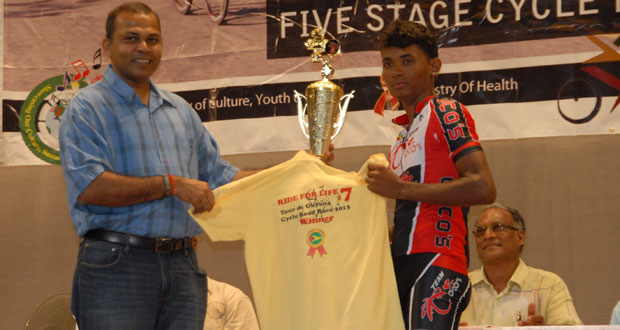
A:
518,277
115,83
403,120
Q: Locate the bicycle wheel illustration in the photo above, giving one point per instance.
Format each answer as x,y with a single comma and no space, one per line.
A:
182,6
576,95
217,10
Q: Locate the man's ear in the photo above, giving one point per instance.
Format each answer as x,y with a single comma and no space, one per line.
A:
105,46
436,65
521,236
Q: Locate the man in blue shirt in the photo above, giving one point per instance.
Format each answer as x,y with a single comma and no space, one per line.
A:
135,158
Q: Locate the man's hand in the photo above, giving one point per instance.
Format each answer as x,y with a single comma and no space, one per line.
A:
532,317
329,155
196,192
382,181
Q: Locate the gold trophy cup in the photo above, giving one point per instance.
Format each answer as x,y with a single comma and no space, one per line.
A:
323,109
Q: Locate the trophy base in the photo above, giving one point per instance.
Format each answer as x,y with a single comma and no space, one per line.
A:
321,157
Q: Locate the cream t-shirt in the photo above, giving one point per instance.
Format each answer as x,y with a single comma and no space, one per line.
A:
316,246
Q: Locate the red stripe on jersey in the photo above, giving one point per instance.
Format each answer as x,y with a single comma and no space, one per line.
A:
465,146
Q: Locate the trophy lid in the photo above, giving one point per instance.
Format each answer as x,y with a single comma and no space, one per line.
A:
321,46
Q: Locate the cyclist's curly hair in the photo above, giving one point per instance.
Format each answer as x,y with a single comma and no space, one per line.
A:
402,34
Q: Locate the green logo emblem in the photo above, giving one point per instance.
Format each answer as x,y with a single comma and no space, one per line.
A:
40,115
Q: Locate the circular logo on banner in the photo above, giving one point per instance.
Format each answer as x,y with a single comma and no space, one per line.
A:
39,116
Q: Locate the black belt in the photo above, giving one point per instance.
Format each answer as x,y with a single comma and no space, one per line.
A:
159,245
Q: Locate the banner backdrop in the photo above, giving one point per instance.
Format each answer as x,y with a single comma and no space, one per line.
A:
524,68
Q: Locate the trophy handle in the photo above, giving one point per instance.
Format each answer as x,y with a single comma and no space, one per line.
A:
301,112
343,112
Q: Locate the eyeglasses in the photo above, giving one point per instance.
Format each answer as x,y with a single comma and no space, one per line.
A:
496,227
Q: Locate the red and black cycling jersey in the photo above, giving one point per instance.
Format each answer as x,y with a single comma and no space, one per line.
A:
442,131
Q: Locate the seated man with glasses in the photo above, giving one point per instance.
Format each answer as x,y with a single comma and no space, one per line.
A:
505,291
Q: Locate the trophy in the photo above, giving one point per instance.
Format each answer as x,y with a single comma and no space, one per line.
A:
323,109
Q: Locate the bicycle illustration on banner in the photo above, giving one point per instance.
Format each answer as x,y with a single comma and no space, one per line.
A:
583,85
216,9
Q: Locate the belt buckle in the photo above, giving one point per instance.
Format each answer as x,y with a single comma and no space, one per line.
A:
162,245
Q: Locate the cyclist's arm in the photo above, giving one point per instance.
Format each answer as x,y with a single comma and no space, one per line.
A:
474,186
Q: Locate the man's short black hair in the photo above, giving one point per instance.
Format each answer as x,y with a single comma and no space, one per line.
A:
131,7
403,34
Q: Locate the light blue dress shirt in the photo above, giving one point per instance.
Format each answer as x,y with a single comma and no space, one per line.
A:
106,127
